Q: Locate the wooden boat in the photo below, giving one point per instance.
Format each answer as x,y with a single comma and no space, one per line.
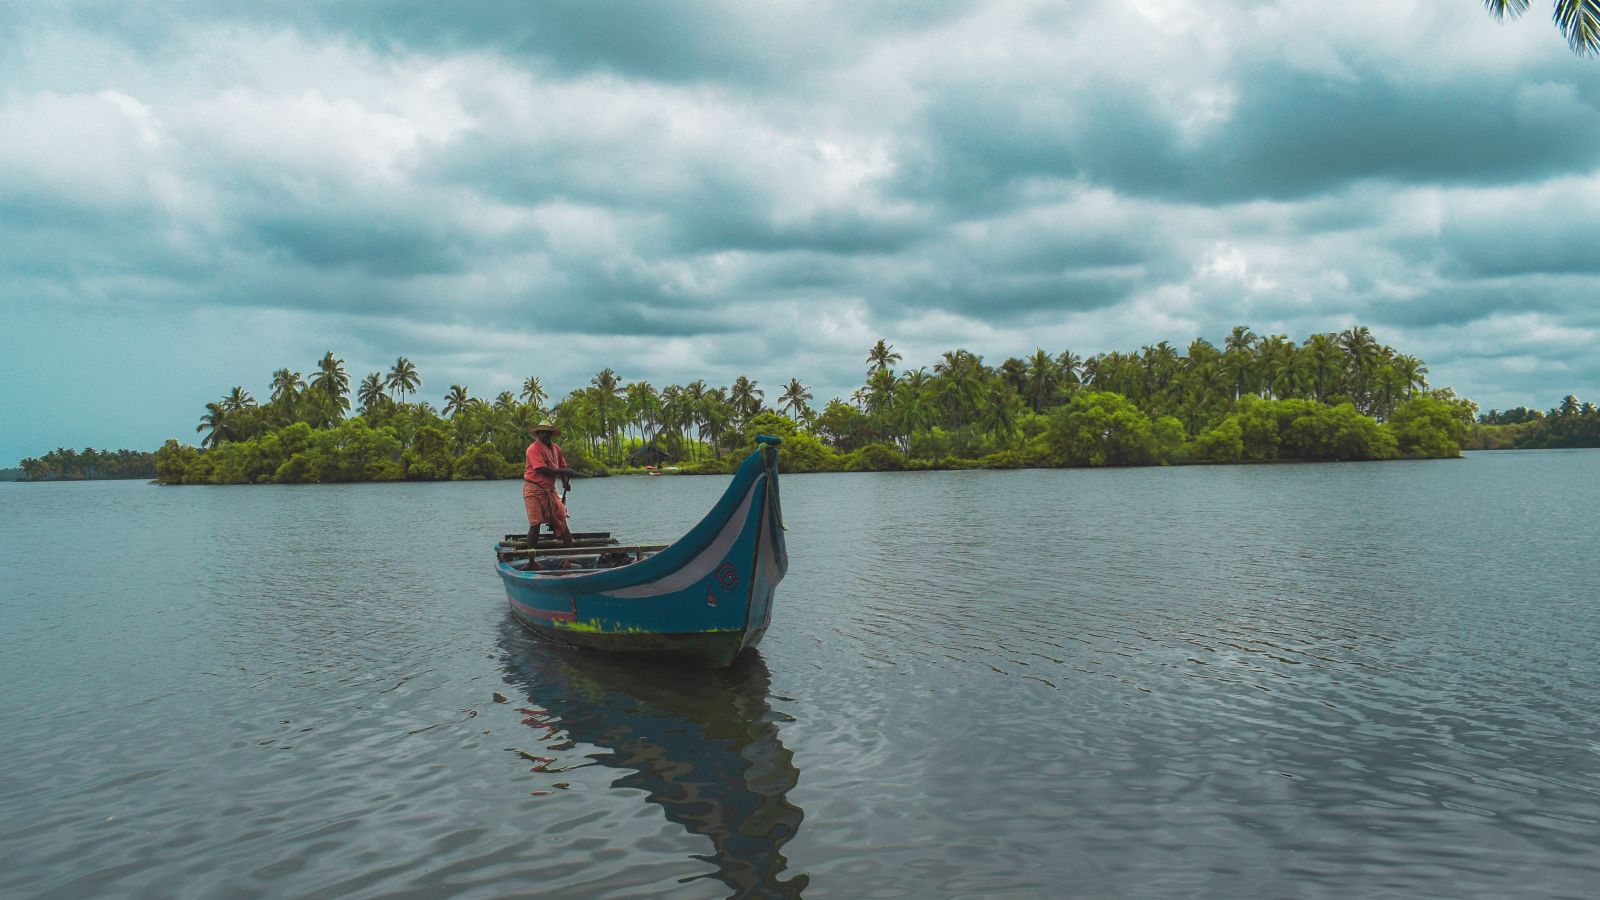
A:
708,596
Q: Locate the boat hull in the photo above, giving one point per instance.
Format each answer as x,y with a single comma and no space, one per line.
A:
713,649
707,597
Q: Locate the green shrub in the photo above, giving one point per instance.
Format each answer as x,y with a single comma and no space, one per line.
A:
301,468
875,458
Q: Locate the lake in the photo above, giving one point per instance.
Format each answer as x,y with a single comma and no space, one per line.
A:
1367,679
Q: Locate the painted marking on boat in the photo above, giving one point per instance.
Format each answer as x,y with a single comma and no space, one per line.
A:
728,575
711,598
555,615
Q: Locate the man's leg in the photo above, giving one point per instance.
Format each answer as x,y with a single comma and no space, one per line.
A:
530,505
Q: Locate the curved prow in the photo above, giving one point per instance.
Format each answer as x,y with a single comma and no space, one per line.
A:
754,486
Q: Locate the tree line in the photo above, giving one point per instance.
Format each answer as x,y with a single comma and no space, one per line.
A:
1331,396
1570,423
66,464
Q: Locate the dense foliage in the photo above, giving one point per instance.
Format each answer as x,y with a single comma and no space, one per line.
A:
1332,397
66,464
1572,423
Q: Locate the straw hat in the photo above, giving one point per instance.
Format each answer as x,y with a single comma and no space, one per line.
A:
544,426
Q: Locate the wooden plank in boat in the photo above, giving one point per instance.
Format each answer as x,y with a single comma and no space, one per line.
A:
582,551
586,542
522,537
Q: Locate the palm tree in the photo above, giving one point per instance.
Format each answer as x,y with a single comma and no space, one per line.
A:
746,397
403,378
331,378
332,385
371,392
1239,359
694,408
959,385
913,405
1577,20
876,397
675,414
1069,365
1014,372
1414,372
794,399
1044,379
998,415
533,392
644,408
607,388
717,413
286,384
1326,364
214,424
881,356
456,400
238,399
505,401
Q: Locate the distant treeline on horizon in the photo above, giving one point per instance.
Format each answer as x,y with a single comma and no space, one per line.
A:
1333,396
66,464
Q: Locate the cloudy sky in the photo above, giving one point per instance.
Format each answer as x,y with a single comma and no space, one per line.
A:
195,194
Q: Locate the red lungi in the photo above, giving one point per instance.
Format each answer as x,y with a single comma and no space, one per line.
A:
545,507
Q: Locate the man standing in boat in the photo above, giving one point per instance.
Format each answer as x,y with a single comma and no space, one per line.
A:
545,464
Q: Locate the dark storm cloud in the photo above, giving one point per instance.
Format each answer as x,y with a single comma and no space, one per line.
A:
720,40
1560,236
1291,135
1463,303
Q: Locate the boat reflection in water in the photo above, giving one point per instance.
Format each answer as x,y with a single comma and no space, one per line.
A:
701,743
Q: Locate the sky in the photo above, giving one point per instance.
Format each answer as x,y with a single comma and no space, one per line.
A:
193,195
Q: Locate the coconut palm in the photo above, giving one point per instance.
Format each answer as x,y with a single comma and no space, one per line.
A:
606,393
1414,373
1327,364
997,416
1044,377
237,399
371,393
958,384
286,384
914,404
794,398
214,425
716,415
1070,365
881,356
403,378
331,379
1577,20
644,408
456,400
746,397
1014,372
676,413
694,395
533,392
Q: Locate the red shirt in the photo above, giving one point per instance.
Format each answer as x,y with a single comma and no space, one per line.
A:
549,457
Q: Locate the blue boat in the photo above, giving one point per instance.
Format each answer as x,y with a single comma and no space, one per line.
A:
707,597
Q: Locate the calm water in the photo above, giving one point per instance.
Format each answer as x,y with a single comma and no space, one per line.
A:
1256,681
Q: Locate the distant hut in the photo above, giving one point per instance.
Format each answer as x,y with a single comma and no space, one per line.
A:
650,455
